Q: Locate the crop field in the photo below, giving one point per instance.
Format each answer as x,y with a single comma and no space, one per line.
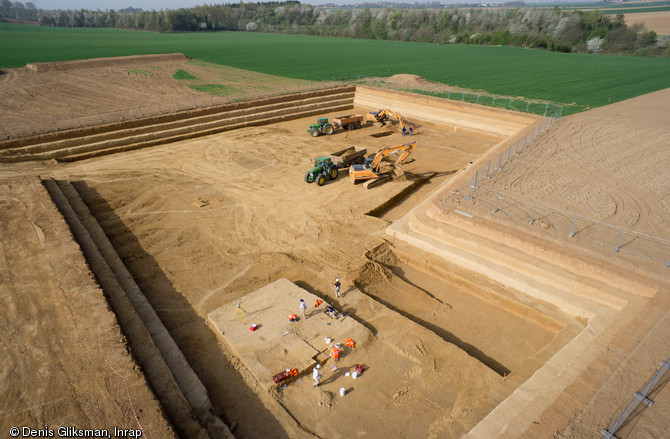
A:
585,81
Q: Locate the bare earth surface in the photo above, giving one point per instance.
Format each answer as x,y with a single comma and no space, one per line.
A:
202,223
657,21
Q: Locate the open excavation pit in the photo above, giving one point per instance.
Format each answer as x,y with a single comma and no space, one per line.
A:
449,338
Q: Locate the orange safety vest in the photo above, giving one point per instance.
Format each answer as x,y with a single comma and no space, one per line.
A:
335,353
350,343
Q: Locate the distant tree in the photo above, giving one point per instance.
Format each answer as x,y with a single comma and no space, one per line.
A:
594,44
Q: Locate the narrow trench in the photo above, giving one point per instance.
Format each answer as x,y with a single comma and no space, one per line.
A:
440,331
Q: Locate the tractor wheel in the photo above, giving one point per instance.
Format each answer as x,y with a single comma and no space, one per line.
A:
315,133
307,177
329,130
333,173
351,126
358,124
321,179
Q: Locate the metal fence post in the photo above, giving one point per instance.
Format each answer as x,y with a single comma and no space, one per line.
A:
618,243
78,121
499,162
488,167
527,106
211,100
494,101
476,175
495,209
176,101
121,114
195,105
509,153
478,99
532,214
546,107
574,224
32,131
55,124
469,197
449,95
100,116
141,114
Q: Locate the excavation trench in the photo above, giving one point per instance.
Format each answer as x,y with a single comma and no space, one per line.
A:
472,314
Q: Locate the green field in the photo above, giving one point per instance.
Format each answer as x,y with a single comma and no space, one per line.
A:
585,81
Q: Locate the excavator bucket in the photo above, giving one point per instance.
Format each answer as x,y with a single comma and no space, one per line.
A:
398,171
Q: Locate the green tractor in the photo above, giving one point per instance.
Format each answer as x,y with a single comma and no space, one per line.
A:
322,126
324,169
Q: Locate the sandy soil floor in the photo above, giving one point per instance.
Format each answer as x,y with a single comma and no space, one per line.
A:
201,223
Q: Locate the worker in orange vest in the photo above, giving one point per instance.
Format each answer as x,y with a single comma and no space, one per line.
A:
335,353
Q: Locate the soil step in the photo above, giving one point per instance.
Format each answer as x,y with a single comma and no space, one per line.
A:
91,151
180,390
194,122
520,267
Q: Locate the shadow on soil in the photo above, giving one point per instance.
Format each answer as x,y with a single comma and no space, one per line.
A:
225,386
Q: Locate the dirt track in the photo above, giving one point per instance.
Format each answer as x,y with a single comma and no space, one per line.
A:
200,223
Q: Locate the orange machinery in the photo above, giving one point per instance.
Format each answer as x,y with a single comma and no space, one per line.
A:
371,169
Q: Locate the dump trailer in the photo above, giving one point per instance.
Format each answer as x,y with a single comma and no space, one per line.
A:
370,170
349,156
350,122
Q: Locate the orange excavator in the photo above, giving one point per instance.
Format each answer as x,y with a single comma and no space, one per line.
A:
382,116
370,170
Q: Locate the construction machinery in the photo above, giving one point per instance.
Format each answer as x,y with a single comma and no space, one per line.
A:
382,116
371,170
324,169
348,156
349,122
322,126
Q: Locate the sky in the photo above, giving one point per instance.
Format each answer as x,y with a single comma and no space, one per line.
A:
157,5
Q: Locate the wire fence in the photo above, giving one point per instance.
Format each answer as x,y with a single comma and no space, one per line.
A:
617,238
90,118
523,105
639,398
97,117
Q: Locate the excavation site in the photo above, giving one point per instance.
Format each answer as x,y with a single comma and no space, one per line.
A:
175,274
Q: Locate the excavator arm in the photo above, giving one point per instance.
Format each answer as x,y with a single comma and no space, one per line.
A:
382,115
404,151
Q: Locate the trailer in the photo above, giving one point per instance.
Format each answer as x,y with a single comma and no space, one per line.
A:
348,156
350,122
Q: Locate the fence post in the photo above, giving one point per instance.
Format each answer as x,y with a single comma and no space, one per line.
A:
527,106
478,99
469,197
618,243
476,175
495,209
100,116
532,214
195,105
499,162
176,101
488,166
494,101
55,124
449,95
211,100
31,128
78,121
574,224
546,107
141,114
525,137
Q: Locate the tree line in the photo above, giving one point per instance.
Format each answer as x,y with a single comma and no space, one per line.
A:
546,28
